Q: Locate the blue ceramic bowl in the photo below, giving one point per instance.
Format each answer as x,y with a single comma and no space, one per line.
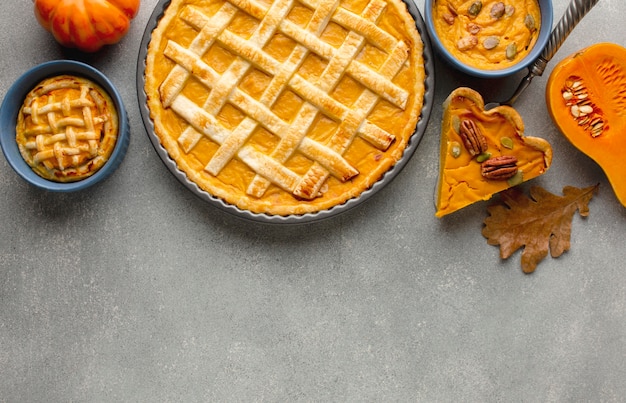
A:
542,39
11,106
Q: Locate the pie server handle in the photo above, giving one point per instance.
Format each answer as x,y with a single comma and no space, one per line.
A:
575,12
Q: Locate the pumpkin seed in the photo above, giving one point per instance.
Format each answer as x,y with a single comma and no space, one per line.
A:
509,10
491,42
507,142
483,157
475,8
497,10
516,179
455,149
597,129
456,124
576,85
529,21
595,121
511,51
585,109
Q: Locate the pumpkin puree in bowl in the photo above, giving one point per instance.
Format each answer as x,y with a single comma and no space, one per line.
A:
488,34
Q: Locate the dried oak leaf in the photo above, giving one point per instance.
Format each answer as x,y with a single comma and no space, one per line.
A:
540,223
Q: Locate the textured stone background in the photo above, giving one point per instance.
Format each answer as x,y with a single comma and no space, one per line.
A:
136,290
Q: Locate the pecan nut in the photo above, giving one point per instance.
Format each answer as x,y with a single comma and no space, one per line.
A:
474,28
472,137
452,9
448,18
466,43
499,168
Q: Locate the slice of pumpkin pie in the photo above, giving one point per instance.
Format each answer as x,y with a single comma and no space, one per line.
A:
483,152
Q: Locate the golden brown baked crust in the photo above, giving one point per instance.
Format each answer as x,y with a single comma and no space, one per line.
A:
67,128
285,107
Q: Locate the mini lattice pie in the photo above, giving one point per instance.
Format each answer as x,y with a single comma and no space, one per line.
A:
286,107
67,128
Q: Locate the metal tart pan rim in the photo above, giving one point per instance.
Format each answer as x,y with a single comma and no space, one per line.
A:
385,179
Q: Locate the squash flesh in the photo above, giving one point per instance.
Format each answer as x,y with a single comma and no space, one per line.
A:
601,69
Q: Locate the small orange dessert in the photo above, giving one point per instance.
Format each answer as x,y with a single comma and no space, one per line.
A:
483,152
67,128
487,34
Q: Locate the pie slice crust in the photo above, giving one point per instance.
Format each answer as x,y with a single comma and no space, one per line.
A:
461,181
285,107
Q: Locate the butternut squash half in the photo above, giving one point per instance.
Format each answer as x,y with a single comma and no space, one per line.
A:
586,98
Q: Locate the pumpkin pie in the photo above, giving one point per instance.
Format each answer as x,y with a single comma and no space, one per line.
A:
67,128
285,107
483,152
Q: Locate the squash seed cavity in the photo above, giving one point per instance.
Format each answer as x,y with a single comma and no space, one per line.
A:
582,109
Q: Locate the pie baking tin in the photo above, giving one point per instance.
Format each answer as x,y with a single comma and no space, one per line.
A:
287,219
11,106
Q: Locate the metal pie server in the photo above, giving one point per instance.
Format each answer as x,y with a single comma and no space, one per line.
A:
576,10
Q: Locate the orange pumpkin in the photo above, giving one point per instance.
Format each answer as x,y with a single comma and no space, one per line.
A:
586,97
86,24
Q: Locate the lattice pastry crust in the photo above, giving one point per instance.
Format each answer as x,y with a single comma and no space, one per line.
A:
285,107
67,128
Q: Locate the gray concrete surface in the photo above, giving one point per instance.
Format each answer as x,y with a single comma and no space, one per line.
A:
136,290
